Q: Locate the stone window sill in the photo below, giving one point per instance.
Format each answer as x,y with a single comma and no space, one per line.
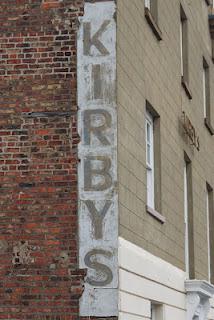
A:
156,214
209,126
186,88
153,24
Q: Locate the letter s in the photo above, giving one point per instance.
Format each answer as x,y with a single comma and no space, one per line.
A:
98,267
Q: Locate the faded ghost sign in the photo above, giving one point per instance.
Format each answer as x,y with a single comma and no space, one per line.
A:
97,125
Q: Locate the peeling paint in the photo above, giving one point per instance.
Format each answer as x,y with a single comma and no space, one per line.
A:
97,172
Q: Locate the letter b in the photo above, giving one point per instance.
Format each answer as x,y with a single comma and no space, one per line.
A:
103,174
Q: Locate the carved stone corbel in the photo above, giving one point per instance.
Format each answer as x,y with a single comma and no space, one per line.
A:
199,293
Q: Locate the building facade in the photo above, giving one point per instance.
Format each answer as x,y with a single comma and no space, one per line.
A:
165,158
164,103
106,134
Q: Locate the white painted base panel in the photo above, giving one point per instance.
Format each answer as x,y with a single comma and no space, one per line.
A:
129,316
144,278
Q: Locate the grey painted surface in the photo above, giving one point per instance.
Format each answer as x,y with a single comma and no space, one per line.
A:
97,125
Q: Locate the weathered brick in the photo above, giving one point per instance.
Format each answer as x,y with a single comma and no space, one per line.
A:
38,162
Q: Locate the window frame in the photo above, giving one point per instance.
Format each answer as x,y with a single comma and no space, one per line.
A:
151,14
153,168
204,93
157,311
210,236
150,166
184,52
186,216
208,233
189,218
147,4
206,96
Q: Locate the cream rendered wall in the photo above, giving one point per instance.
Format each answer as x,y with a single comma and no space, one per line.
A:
145,278
149,69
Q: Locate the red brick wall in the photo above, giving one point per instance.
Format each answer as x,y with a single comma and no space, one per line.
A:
39,276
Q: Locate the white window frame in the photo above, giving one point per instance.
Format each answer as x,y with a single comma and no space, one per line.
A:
186,215
157,311
150,163
148,4
204,93
181,47
208,232
153,312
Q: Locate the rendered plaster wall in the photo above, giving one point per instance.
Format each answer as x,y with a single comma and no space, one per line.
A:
145,279
148,69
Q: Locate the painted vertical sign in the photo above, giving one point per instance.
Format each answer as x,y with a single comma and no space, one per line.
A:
97,175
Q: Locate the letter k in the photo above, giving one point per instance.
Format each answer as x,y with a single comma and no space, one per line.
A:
94,40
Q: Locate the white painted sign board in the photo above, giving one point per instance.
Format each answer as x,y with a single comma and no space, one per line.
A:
97,172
